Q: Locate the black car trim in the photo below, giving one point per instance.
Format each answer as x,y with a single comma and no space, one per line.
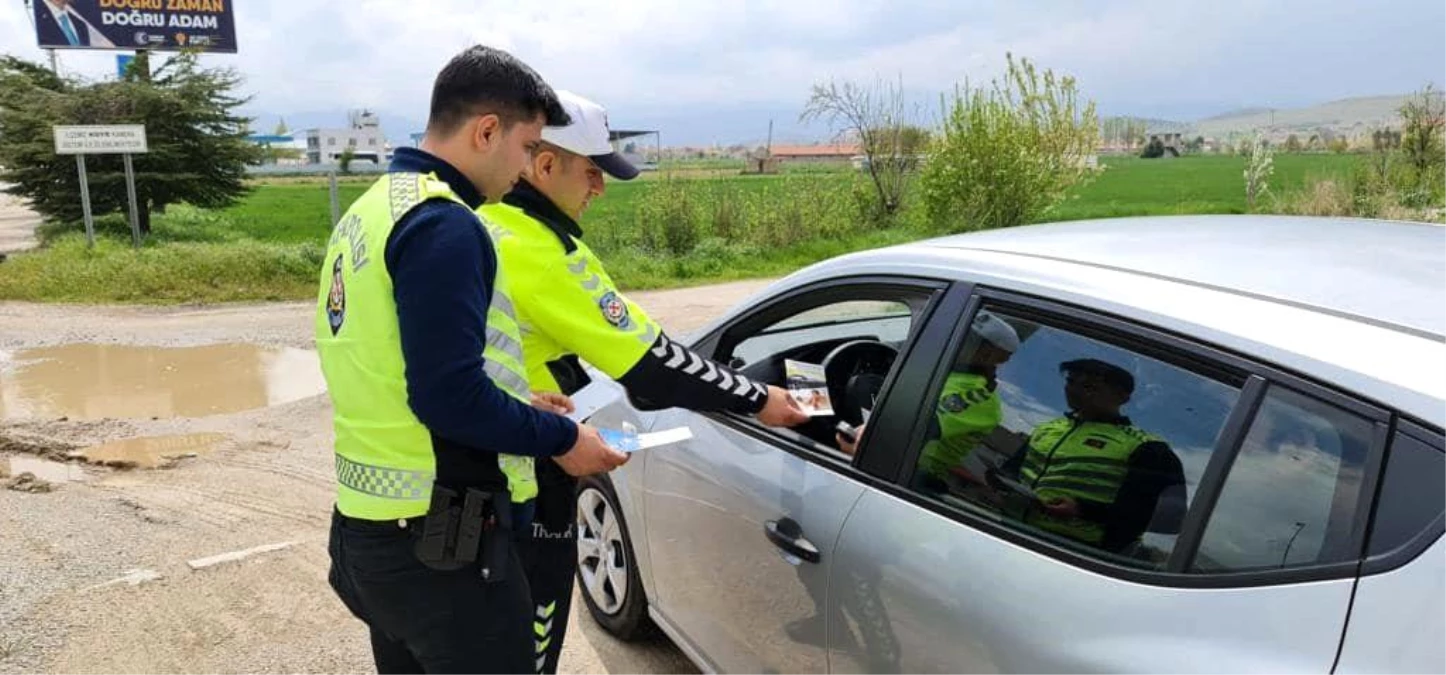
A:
1427,537
838,288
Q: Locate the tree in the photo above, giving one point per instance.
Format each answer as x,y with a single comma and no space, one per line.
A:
1385,140
1011,152
1340,145
1128,132
1155,149
280,129
344,159
198,150
1292,143
876,116
1423,118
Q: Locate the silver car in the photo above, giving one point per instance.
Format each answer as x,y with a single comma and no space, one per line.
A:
1137,445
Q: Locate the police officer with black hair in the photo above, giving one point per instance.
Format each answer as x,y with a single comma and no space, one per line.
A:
436,440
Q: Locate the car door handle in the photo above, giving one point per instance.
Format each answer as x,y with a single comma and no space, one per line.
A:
788,536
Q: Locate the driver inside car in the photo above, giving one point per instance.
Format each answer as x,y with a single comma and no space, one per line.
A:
968,409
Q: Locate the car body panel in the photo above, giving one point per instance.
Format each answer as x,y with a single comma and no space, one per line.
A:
956,599
628,479
708,500
1396,622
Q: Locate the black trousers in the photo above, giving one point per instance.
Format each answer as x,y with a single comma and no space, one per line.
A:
423,620
549,556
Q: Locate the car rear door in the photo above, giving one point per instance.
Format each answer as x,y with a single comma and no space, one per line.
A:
742,520
1399,612
1249,567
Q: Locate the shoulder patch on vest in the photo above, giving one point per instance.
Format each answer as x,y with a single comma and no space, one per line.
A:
336,299
953,403
614,310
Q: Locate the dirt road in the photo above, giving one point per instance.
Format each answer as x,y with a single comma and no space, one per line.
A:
94,574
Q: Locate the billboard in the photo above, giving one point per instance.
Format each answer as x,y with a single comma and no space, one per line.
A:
173,25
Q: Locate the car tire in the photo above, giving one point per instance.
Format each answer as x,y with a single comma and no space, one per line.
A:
607,570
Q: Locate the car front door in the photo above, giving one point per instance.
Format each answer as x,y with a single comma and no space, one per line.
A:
742,519
1215,523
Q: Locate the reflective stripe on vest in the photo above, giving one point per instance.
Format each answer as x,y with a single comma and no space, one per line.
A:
385,464
1086,461
534,260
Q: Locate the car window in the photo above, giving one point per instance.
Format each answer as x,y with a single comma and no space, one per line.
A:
1412,496
1087,444
1290,497
884,320
791,347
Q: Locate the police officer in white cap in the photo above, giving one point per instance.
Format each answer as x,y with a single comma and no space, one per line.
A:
569,307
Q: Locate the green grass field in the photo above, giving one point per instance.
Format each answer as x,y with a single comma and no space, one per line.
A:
657,232
1130,186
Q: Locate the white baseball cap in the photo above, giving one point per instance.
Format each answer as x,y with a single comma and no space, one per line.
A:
587,134
995,331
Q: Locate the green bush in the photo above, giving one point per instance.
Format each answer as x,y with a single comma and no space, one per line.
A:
1010,154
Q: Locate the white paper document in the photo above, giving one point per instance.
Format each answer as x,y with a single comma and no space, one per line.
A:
632,441
807,387
594,397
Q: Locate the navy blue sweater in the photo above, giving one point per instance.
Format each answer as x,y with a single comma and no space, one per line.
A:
443,265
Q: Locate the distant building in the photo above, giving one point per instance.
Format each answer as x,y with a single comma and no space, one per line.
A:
1173,141
295,148
364,136
840,153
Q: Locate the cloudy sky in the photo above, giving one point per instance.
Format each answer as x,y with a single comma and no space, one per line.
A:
717,70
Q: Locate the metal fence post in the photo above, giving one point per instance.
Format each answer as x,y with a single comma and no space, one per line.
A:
335,200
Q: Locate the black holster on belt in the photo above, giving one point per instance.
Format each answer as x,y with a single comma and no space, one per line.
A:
464,528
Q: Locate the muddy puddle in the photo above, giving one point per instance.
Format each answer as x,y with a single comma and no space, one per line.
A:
150,452
89,381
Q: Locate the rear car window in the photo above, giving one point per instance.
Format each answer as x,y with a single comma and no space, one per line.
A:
1291,496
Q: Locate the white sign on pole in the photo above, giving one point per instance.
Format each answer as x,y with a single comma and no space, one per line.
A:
103,139
100,139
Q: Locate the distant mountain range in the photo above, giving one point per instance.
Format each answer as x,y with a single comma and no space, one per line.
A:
1350,116
747,125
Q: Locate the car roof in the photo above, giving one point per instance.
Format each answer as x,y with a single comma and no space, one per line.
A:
1357,304
1385,272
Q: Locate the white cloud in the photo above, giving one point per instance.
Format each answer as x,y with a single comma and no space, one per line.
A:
306,55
